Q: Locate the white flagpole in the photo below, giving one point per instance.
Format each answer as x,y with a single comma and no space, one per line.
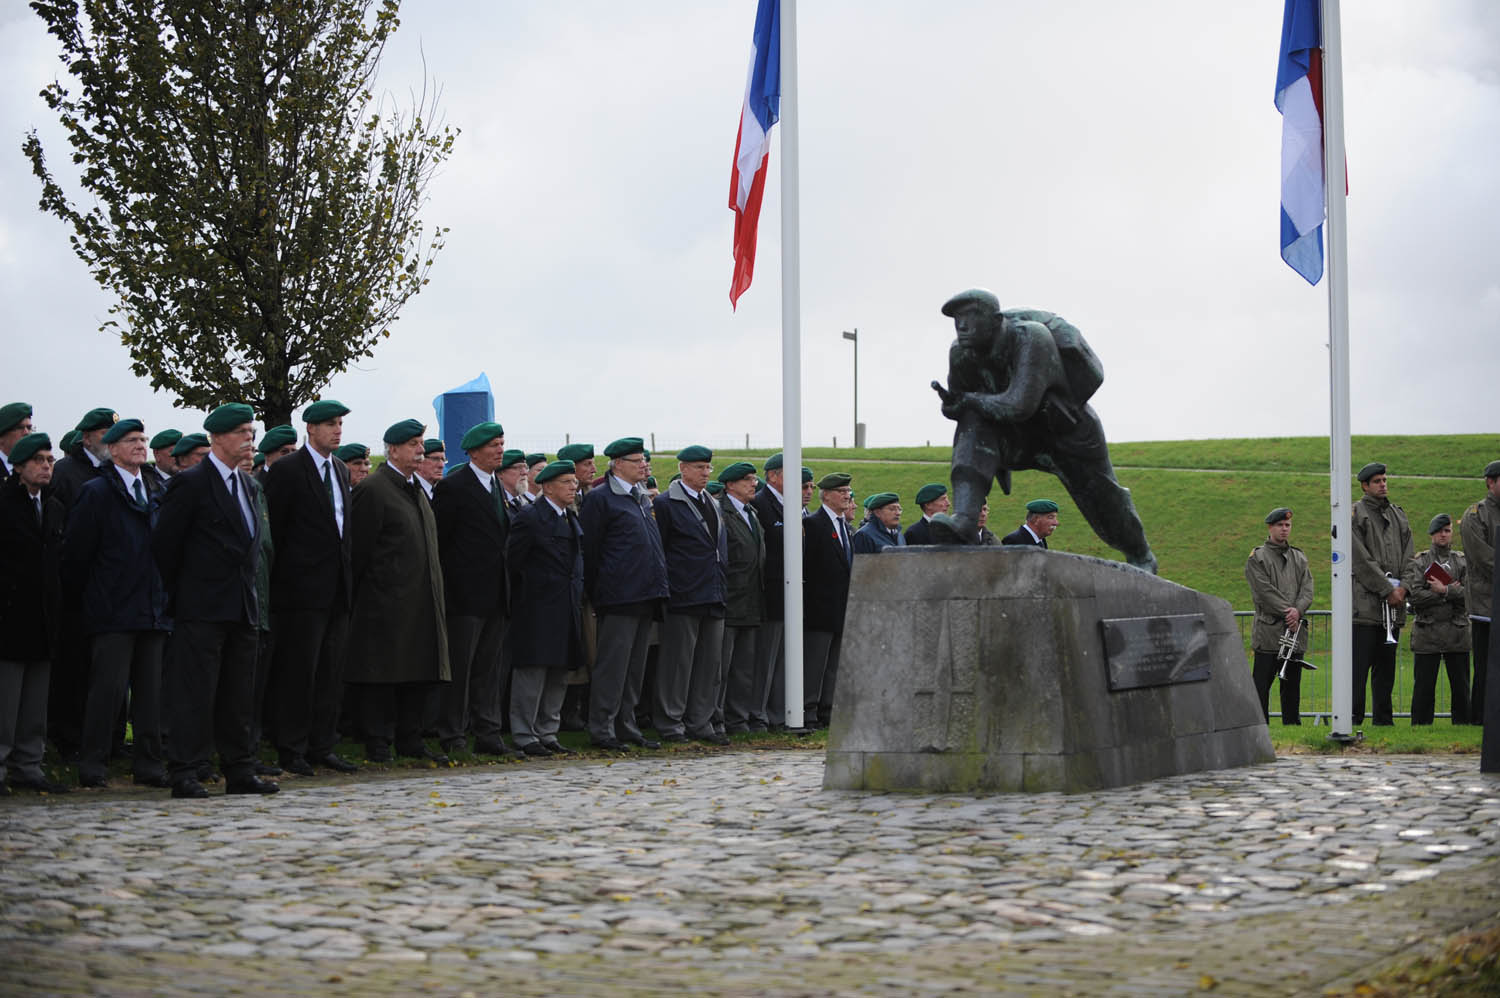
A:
791,369
1340,493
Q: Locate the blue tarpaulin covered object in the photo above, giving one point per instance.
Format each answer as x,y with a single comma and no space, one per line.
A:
460,409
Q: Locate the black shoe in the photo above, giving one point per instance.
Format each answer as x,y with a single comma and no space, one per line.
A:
677,738
267,769
206,774
537,749
250,785
297,766
643,742
378,752
557,748
335,762
713,738
608,744
189,788
152,780
4,789
491,748
420,750
759,727
455,747
91,781
40,784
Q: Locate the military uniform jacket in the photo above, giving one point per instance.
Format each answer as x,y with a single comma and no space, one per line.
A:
545,555
473,526
871,537
397,631
29,593
1442,622
1279,578
1478,531
745,605
106,558
1381,546
623,564
313,569
697,552
825,573
770,511
206,554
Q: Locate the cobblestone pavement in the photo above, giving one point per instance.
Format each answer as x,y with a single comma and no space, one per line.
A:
737,873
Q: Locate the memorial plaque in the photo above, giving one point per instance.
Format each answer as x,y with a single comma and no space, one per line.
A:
1155,651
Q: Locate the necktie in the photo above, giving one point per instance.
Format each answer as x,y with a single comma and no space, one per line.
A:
499,498
36,502
140,494
328,481
844,539
234,493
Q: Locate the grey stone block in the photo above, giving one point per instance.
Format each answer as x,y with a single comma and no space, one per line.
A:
984,669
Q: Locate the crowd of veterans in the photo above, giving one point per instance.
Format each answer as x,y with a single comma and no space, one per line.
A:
229,598
1445,594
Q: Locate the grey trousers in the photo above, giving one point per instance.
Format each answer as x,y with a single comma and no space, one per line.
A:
687,674
117,661
619,668
770,674
820,670
23,716
738,690
471,702
536,699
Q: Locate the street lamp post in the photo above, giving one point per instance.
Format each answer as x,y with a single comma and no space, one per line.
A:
853,337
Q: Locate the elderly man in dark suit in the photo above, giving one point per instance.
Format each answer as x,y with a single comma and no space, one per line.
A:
308,498
695,543
31,526
207,545
828,555
745,602
932,499
15,423
770,650
107,569
163,465
473,527
625,581
398,644
1041,521
545,555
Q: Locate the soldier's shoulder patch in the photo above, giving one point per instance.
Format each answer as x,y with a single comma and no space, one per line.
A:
1473,509
1255,551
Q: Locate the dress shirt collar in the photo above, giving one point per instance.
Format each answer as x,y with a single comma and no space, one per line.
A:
625,486
779,497
1034,537
558,509
92,459
128,479
691,494
486,478
224,470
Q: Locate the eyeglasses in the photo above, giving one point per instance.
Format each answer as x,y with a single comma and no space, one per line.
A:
634,459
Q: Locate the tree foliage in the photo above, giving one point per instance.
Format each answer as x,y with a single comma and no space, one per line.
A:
256,207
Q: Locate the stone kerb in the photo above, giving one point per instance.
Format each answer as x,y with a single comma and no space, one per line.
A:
984,669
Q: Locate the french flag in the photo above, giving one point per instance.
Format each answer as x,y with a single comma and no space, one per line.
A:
1299,98
752,146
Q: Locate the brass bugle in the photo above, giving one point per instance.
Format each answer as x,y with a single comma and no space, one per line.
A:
1286,650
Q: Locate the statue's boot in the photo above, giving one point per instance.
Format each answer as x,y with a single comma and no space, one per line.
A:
1146,563
957,529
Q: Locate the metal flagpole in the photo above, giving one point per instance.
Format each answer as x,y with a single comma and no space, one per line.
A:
791,369
1340,493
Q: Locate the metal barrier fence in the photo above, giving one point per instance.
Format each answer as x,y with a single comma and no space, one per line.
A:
1317,687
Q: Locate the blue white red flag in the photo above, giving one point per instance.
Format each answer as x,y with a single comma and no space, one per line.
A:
752,147
1299,98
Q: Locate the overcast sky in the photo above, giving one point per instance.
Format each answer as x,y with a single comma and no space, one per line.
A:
1115,163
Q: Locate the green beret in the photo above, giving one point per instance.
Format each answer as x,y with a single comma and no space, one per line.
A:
1370,470
353,452
1040,506
11,414
511,458
165,438
650,482
432,445
736,471
806,474
1492,470
625,446
259,459
228,416
834,480
1439,522
276,438
400,433
972,297
70,440
575,452
695,452
880,499
1277,515
188,443
559,467
97,419
535,457
773,463
646,454
714,488
27,447
479,435
675,478
930,492
117,432
324,410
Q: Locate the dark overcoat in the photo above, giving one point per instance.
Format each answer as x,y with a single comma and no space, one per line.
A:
825,573
29,596
72,472
745,573
623,564
472,532
1021,537
545,556
696,554
397,631
205,553
312,569
919,533
106,557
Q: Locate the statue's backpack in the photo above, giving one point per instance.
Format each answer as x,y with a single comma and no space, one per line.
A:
1080,364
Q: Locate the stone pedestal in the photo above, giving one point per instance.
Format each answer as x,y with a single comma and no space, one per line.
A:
987,669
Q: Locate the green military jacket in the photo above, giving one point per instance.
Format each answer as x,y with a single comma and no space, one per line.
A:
1279,578
1442,623
1381,546
1477,528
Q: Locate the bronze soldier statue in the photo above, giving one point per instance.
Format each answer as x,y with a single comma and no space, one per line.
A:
1018,386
